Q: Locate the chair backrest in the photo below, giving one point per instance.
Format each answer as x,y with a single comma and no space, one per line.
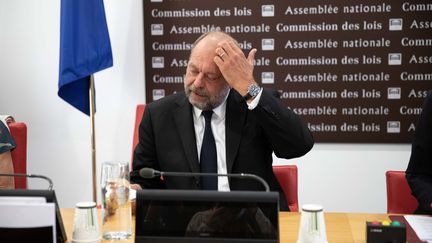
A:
138,116
399,198
287,177
18,131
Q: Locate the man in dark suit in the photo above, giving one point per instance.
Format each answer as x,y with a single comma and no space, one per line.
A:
248,124
419,171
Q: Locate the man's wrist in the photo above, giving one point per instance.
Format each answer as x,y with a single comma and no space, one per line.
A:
252,91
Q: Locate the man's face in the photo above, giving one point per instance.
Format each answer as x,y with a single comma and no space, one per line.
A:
204,84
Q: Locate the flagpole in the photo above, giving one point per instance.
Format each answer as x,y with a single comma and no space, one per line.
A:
93,134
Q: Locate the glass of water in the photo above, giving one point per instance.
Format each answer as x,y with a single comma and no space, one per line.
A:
116,206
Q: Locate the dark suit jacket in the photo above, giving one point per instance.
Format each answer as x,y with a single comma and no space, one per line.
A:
167,141
419,171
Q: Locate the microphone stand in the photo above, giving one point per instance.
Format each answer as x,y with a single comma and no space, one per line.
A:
151,173
50,187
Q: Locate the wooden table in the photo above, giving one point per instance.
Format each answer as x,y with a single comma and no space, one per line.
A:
341,227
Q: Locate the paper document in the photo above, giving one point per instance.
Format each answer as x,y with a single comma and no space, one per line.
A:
28,215
422,225
22,200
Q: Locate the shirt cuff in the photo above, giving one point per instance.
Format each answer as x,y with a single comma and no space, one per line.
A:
255,101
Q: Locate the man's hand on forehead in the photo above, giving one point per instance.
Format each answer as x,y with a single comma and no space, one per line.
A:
234,66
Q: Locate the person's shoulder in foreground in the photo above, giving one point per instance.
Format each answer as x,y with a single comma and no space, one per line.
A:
419,171
6,141
6,165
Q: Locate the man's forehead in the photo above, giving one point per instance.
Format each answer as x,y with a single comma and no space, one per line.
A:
203,48
202,56
203,66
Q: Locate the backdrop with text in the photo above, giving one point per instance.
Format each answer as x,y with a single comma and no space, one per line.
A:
355,72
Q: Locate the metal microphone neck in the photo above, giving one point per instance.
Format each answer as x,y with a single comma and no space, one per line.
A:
50,187
241,175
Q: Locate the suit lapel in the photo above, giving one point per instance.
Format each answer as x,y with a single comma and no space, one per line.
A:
185,128
234,120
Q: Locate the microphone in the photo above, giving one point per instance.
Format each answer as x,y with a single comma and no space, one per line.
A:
149,173
50,187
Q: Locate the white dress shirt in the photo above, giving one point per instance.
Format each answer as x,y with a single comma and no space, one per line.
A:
218,129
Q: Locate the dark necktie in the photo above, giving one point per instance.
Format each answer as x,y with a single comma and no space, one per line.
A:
208,157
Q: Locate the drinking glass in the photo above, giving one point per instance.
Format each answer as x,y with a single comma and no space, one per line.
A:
312,227
116,206
86,226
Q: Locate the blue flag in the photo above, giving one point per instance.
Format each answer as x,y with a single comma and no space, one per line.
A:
85,48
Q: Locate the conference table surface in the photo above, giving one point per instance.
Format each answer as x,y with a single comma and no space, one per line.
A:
341,227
